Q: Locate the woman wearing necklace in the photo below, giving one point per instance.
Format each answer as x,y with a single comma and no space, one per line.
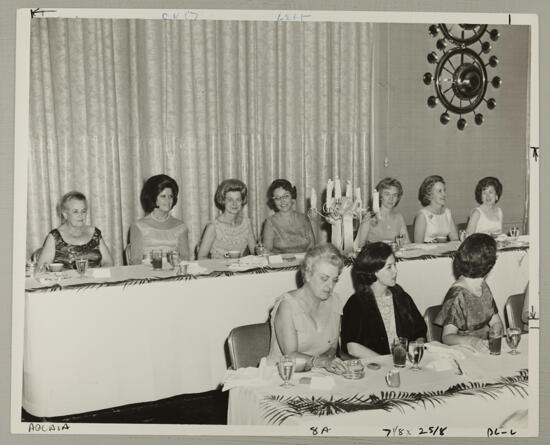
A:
487,218
388,224
434,222
230,231
158,230
380,310
469,310
287,231
74,239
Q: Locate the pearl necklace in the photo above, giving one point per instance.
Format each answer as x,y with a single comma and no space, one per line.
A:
156,218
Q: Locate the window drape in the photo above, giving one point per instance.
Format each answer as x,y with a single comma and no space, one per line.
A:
114,101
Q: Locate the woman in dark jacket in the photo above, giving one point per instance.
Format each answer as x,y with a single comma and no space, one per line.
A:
380,310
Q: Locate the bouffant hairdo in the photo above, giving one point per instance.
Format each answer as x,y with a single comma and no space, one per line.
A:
386,183
488,182
279,183
475,257
371,259
426,187
325,251
153,187
229,185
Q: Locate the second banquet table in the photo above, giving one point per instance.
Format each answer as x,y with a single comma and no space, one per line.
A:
137,335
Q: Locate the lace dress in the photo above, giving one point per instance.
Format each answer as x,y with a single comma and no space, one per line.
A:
67,253
229,237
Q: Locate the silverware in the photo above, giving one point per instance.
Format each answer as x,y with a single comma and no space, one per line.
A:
460,372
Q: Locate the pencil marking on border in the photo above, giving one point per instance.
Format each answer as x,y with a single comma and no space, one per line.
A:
509,19
35,12
535,153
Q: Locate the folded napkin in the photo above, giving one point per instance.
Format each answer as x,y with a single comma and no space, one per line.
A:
442,364
419,246
194,268
325,383
444,351
252,260
250,376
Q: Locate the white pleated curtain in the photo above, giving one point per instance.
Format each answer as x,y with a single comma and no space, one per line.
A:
113,102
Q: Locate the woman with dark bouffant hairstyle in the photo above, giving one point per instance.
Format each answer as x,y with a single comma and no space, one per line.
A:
389,223
380,310
286,231
230,231
487,218
434,222
158,230
469,310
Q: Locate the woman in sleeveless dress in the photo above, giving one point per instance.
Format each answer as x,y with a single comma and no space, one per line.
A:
487,218
230,231
305,322
469,310
434,222
74,239
388,224
158,230
287,231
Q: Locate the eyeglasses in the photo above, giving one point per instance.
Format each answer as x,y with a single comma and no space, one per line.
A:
282,198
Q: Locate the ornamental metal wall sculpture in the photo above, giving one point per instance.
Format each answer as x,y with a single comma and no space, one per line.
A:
460,77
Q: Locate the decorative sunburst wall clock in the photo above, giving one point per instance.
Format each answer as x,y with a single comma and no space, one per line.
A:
460,77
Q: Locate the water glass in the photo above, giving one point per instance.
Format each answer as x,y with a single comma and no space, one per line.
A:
81,266
286,367
354,369
174,258
514,233
156,259
513,336
393,379
462,235
399,240
495,339
416,352
260,249
399,351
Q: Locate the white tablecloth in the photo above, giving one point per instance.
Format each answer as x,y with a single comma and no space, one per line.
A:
482,402
93,348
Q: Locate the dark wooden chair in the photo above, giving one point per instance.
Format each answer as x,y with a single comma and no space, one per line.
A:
513,310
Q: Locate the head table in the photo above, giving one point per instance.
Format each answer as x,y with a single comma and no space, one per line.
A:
490,393
133,334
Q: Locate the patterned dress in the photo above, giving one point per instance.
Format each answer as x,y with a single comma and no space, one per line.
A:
67,253
469,313
229,237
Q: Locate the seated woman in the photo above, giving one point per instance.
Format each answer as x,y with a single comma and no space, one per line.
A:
487,218
158,230
305,323
380,310
469,311
434,221
389,224
230,231
287,231
74,239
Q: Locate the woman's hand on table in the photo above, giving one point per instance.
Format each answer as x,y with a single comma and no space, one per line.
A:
331,364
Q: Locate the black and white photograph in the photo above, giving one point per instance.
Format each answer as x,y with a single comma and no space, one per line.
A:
276,222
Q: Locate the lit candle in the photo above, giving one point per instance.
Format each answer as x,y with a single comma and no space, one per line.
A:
358,194
330,186
349,191
313,199
375,201
337,188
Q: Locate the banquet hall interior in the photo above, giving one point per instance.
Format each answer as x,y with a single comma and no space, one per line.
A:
115,101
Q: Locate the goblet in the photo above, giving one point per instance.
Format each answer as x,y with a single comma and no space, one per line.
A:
286,367
513,336
416,351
